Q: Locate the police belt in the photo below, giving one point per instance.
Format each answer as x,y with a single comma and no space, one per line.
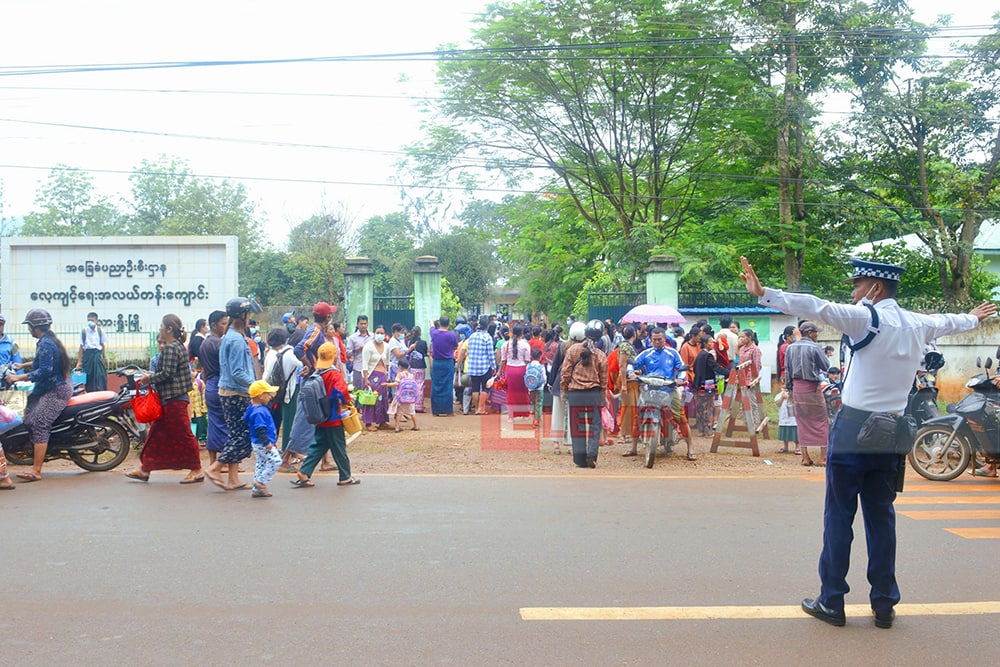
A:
855,415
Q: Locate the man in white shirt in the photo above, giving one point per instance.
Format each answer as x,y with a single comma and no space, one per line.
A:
887,342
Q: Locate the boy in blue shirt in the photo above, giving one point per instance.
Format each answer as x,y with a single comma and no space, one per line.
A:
263,436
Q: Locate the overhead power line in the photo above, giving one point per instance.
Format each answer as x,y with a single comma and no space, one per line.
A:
702,201
537,51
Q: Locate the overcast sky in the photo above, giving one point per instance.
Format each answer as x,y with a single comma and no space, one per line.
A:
349,119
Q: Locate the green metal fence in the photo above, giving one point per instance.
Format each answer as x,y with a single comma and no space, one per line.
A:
123,347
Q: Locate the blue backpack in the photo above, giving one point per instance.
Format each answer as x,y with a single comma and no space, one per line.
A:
533,377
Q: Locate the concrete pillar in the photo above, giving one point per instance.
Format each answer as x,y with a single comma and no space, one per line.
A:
426,292
359,291
661,280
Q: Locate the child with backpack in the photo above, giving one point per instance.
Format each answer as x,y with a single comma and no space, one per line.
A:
534,382
407,395
263,436
330,402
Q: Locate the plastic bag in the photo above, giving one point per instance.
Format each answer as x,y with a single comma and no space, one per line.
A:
146,406
499,383
8,419
15,400
607,420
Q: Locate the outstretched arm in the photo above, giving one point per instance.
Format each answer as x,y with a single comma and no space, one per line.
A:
984,310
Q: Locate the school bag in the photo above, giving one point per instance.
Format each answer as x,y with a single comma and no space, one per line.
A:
533,379
277,378
316,403
407,391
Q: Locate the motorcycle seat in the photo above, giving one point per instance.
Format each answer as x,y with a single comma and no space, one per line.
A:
80,402
91,397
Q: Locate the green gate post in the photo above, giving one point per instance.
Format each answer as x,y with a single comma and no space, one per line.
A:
359,291
661,280
426,292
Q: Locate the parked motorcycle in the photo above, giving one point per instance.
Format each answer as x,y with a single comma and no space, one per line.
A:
922,403
86,432
944,446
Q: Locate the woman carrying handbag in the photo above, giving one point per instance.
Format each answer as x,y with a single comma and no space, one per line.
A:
171,445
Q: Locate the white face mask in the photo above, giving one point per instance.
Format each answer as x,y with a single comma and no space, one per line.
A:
866,299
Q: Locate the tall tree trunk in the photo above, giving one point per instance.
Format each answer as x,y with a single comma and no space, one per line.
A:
788,192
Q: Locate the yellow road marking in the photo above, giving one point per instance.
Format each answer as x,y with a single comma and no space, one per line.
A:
976,533
947,500
953,487
740,613
949,515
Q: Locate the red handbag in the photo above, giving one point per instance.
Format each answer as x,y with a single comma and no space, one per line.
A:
147,406
499,382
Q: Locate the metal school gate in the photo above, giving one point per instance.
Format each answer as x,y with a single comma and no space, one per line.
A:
612,305
389,310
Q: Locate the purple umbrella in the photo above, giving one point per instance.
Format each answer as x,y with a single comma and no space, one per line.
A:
654,312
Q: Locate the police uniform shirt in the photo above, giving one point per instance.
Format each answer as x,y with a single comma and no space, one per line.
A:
880,375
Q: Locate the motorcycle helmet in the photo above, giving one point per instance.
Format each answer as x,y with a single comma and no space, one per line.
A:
594,330
37,317
240,306
933,361
461,319
577,332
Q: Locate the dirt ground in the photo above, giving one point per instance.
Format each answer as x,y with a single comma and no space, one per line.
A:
470,445
466,445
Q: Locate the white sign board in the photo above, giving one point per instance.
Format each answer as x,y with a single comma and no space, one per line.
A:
130,282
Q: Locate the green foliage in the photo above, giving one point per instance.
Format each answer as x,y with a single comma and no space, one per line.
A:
450,304
167,200
69,207
468,263
388,241
316,258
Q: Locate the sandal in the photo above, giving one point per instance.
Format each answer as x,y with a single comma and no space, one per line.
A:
259,493
692,456
29,476
303,483
193,480
216,480
138,475
350,481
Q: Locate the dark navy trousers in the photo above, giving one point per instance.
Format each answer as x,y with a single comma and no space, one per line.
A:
851,475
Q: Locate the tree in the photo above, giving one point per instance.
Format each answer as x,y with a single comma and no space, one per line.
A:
607,97
926,151
468,263
387,240
168,200
316,256
799,50
69,207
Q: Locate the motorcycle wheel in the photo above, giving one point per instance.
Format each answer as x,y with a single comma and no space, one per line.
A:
109,449
20,457
930,461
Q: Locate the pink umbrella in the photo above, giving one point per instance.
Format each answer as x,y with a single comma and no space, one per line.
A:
654,312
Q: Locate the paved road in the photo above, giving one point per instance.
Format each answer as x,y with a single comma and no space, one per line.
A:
445,570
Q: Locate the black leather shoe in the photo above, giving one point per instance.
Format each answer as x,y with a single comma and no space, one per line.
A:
884,619
818,610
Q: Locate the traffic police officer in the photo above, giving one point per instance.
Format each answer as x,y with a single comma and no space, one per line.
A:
877,379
